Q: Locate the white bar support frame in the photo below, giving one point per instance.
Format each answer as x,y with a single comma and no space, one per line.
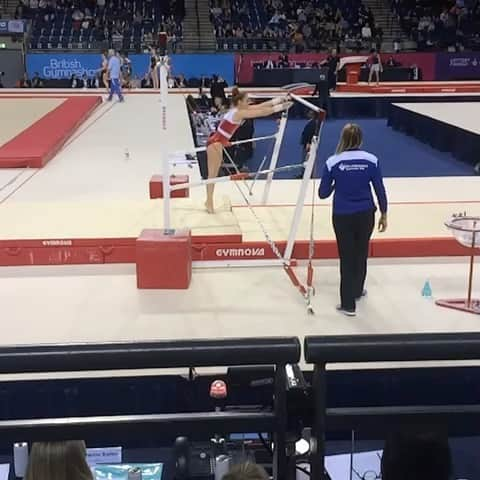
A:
166,192
163,70
275,155
312,154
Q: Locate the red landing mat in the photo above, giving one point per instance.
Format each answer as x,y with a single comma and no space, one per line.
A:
40,142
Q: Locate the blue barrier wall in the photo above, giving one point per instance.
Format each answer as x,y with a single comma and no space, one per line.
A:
204,65
64,65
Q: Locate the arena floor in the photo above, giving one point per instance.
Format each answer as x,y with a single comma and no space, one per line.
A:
93,188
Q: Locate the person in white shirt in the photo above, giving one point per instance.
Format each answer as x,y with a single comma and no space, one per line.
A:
366,32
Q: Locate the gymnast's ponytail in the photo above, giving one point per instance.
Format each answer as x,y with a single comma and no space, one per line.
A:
237,96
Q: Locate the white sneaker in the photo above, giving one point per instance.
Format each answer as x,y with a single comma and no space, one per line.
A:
344,311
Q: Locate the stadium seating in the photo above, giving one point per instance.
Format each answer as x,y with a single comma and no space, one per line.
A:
279,25
120,24
453,25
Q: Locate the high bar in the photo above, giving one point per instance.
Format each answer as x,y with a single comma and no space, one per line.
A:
308,104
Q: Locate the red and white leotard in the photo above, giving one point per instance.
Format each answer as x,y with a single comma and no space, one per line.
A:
225,130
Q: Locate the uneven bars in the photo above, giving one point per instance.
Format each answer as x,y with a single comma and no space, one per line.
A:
235,177
209,181
308,104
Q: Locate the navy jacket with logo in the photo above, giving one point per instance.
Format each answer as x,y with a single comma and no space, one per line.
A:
349,174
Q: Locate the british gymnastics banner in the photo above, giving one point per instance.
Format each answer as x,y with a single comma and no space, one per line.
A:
458,66
61,66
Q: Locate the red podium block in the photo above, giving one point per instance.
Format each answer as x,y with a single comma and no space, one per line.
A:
156,186
353,73
164,259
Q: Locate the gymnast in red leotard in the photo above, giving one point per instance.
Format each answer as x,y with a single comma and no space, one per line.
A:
240,111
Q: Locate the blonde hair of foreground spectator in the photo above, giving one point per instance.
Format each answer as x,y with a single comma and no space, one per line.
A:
246,471
350,139
58,461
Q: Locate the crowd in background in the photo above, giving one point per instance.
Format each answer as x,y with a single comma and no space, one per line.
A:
452,24
412,456
305,25
115,23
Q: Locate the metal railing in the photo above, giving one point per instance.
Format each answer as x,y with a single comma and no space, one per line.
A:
376,420
156,355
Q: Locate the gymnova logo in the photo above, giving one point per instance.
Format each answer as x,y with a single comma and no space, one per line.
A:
63,68
57,243
240,252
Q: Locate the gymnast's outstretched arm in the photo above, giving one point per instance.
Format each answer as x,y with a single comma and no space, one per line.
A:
270,103
262,110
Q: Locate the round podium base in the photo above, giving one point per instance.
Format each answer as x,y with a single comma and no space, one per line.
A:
461,304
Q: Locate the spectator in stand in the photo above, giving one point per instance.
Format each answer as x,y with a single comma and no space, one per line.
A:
298,41
217,88
20,10
146,81
366,32
391,62
283,61
203,101
417,457
269,64
59,461
74,82
94,82
37,82
25,82
181,82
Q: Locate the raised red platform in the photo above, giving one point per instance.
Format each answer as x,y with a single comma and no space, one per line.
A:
411,87
40,142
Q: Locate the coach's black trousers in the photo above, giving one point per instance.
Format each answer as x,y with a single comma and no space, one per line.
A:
353,234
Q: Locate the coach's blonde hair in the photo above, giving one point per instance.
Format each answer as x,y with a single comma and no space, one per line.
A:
351,138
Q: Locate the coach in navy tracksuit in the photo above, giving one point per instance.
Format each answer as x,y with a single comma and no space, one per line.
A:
349,174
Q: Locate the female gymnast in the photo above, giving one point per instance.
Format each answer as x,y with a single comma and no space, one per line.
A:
153,68
104,71
241,110
376,67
